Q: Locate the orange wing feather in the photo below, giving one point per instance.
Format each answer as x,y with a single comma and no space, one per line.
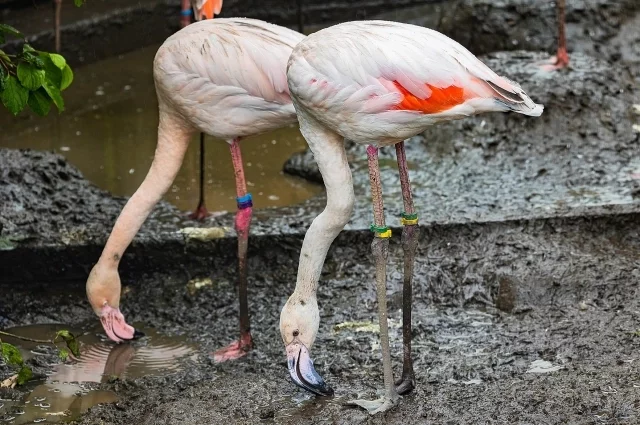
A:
211,8
440,100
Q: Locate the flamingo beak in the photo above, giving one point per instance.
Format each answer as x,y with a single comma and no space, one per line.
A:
302,371
116,327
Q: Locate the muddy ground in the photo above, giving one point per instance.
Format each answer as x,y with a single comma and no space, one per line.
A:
568,290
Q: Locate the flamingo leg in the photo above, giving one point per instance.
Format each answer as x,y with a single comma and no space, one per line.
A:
57,9
410,235
201,211
243,222
185,13
380,250
561,59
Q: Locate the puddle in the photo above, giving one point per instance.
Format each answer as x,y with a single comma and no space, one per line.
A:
53,403
109,131
66,394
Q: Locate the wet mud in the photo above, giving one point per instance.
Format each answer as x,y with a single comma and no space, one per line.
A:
572,286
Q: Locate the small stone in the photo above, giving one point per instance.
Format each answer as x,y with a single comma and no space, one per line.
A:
198,283
204,234
583,306
543,366
358,327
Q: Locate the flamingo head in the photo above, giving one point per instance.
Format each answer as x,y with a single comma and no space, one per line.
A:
103,291
299,322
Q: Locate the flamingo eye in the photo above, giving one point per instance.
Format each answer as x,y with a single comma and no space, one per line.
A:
296,333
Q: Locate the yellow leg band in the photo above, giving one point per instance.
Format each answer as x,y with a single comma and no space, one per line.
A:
408,221
381,232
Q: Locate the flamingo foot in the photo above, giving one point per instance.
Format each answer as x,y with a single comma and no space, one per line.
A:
376,406
405,385
559,61
235,350
200,213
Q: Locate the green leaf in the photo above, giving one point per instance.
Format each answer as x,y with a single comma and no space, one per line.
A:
54,92
67,77
31,56
79,3
24,375
11,355
40,103
53,73
8,29
30,76
58,60
14,96
63,354
70,340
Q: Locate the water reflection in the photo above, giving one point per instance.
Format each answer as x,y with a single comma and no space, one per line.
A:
64,397
109,132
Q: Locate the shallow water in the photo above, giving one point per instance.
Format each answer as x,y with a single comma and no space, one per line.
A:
65,395
109,131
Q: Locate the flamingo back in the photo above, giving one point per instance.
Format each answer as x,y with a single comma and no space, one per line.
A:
386,81
227,77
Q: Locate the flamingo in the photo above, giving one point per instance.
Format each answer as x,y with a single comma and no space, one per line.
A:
561,59
375,83
222,77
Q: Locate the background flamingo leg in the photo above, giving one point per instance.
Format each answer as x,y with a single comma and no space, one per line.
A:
57,10
561,59
201,211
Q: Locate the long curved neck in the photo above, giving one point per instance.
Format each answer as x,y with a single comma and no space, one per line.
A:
328,150
173,140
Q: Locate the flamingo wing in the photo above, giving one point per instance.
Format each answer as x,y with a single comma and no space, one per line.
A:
379,66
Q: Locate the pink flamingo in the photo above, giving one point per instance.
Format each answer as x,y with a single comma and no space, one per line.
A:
223,77
376,83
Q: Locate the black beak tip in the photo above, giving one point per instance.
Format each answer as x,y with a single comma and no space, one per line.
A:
321,390
138,334
327,391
